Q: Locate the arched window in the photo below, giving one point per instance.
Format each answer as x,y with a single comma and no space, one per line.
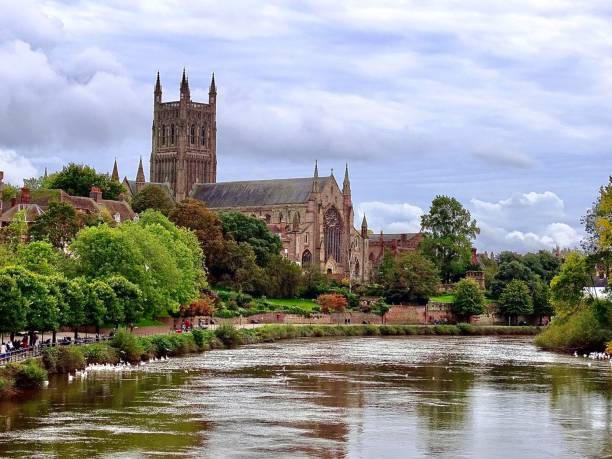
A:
203,136
332,227
306,258
268,219
192,134
356,267
172,134
163,134
305,238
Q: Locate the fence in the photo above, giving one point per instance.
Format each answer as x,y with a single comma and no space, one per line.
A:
18,355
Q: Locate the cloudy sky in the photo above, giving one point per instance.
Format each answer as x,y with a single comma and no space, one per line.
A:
506,105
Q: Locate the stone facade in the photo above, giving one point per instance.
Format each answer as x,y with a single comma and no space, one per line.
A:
312,216
396,243
184,140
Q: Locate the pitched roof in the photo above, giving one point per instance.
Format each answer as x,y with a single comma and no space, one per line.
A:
397,237
255,192
31,212
133,189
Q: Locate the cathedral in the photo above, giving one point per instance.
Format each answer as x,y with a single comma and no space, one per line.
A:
312,215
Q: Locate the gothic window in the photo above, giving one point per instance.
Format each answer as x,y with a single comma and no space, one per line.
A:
268,219
356,267
163,134
306,258
203,136
332,227
305,238
192,134
172,134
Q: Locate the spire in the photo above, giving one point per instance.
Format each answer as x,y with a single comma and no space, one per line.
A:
364,227
140,177
115,174
46,174
315,180
346,185
158,90
185,86
213,86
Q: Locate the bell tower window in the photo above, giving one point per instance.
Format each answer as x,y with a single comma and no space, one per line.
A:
172,134
192,134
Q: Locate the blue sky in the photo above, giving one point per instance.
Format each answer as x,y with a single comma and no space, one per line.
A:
504,105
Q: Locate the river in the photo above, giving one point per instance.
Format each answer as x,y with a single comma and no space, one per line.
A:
408,397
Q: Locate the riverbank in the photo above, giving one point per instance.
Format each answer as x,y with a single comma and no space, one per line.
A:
126,347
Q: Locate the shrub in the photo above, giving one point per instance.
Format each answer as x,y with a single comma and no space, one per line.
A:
69,358
609,348
228,335
100,353
198,338
579,332
49,359
129,348
332,302
29,375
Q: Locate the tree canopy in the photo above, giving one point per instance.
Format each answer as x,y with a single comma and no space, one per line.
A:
152,197
448,232
58,225
469,298
78,179
253,231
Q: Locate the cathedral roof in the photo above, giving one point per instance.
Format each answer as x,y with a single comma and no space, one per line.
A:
254,193
133,188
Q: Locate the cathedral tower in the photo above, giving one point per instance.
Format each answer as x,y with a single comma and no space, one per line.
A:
184,139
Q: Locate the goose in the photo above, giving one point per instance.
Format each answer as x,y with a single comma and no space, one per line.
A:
70,378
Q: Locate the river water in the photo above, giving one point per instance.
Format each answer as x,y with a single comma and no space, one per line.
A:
408,397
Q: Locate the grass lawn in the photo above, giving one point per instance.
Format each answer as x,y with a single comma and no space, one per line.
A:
302,303
449,298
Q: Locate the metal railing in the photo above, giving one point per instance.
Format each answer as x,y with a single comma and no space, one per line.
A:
18,355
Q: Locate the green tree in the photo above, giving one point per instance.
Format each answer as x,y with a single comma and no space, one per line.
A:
507,272
469,299
39,257
129,298
567,287
152,197
283,278
95,296
380,308
78,179
254,232
17,230
409,278
58,225
448,231
13,308
540,294
516,299
206,225
74,302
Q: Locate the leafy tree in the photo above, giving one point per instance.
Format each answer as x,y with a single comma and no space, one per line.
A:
448,229
206,225
152,197
58,225
74,303
540,294
332,302
469,299
17,230
13,307
96,294
597,223
78,179
253,231
409,278
283,278
567,287
516,299
129,299
39,257
544,264
508,271
380,308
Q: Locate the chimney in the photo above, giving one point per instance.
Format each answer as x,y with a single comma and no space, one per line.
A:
25,195
474,256
95,194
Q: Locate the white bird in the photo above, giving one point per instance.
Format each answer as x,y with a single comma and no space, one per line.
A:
70,378
45,383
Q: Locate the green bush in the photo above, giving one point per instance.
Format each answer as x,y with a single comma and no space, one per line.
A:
49,358
198,337
29,375
69,358
228,335
100,354
128,347
581,331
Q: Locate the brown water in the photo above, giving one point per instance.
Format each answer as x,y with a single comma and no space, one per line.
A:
404,397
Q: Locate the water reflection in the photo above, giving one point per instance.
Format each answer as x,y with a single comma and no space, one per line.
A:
350,397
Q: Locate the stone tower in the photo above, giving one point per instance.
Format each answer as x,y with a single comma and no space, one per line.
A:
184,139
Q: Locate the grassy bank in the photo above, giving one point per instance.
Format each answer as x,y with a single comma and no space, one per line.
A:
131,348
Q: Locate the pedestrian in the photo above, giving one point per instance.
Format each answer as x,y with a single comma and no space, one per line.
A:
2,349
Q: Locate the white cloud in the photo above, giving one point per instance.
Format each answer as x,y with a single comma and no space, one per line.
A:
391,218
16,167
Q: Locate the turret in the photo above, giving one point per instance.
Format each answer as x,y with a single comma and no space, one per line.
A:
212,91
140,177
158,91
364,227
185,94
315,179
115,174
346,185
